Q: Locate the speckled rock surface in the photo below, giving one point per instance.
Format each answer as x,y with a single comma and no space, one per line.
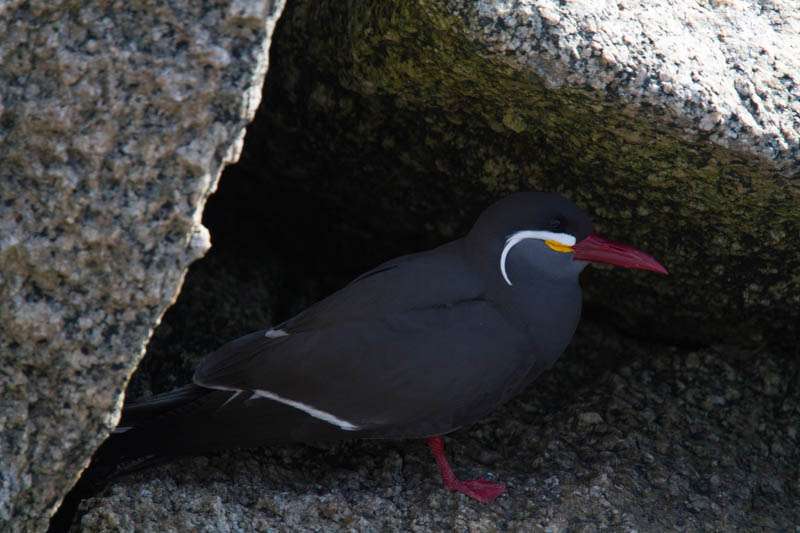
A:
116,121
675,124
723,69
621,434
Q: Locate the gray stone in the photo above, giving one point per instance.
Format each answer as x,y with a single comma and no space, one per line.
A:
117,119
724,70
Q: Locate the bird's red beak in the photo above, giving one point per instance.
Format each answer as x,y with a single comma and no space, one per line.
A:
597,249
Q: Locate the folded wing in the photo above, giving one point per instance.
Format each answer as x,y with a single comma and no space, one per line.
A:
420,363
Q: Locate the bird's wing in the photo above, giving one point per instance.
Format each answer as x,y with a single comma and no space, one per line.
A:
419,281
409,349
436,277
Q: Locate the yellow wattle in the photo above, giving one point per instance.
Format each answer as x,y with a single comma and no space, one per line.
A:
558,247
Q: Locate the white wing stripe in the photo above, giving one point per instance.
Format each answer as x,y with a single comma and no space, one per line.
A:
233,396
562,238
311,411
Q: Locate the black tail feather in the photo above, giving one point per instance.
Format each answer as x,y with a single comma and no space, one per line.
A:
152,427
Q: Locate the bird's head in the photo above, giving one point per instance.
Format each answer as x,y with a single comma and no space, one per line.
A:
533,235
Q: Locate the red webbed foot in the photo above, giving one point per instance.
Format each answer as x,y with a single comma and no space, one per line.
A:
478,489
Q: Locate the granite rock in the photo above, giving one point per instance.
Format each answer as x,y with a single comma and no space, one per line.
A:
723,70
117,119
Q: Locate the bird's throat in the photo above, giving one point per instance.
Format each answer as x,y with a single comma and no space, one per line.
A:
550,314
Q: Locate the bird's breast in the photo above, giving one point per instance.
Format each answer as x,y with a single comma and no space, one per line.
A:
549,317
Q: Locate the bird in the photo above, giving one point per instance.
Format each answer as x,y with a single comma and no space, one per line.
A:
415,348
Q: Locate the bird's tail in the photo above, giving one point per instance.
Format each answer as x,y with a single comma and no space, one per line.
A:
159,408
153,426
195,419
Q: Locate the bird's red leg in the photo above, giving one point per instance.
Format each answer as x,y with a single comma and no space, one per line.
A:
478,489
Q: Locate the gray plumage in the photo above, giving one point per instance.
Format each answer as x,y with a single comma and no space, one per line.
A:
417,347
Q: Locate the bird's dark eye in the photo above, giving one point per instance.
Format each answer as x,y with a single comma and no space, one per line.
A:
557,224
